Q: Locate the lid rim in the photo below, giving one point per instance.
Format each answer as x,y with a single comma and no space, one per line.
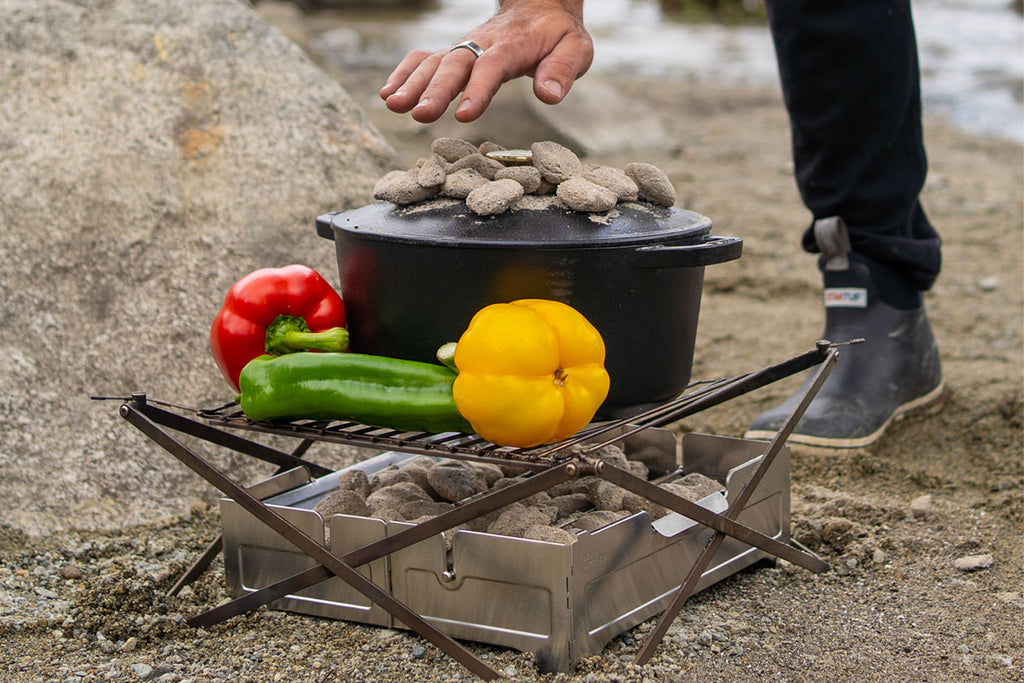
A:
378,222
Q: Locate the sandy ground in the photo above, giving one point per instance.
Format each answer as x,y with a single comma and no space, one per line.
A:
895,607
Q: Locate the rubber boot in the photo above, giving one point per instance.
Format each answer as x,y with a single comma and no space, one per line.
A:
895,369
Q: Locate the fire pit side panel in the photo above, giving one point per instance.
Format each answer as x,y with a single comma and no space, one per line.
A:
255,556
498,590
630,571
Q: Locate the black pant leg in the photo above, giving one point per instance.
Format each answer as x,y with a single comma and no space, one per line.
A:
851,84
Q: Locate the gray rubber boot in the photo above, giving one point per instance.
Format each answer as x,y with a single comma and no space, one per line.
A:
895,369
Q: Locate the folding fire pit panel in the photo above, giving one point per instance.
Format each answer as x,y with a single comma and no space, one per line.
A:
255,556
627,572
563,602
497,589
630,571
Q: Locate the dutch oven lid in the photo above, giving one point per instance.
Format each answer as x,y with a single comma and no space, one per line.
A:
539,222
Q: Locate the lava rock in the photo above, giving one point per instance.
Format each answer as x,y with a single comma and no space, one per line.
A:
570,504
698,485
490,472
595,519
396,495
389,477
515,519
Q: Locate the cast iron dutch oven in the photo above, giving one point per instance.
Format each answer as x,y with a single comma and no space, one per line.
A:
412,278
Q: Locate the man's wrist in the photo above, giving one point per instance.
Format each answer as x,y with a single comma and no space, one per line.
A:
573,7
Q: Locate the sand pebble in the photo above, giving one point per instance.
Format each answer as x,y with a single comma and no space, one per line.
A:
972,563
921,506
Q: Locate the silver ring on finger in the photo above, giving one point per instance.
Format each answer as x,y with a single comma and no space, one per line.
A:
469,45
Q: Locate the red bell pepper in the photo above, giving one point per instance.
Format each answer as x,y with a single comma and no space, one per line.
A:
276,311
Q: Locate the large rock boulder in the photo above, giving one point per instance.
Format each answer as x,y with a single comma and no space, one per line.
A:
151,153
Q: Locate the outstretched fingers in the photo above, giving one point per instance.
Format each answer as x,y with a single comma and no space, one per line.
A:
545,39
424,84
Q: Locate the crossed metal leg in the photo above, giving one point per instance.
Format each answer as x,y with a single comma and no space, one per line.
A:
149,419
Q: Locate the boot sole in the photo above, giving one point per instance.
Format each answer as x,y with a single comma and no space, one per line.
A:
859,442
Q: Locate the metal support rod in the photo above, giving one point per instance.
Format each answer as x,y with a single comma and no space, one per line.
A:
724,525
372,551
307,544
689,585
202,563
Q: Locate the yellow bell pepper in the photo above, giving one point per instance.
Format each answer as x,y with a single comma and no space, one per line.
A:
530,372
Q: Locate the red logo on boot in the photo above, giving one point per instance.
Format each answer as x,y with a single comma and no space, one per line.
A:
846,297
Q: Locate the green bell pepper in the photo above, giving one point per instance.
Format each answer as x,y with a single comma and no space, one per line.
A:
373,390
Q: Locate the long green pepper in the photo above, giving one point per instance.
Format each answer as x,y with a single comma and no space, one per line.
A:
373,390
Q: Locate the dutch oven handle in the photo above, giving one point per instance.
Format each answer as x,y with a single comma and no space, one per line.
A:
323,225
709,251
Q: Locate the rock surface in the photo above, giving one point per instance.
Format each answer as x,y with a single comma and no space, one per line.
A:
151,154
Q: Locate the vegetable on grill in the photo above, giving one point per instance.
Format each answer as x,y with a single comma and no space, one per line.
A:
522,374
276,311
373,390
530,372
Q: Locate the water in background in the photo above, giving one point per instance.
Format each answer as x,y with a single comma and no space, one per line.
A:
971,51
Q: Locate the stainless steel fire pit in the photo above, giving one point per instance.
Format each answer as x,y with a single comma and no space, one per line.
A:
562,602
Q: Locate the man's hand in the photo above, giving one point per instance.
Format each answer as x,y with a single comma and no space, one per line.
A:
544,39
